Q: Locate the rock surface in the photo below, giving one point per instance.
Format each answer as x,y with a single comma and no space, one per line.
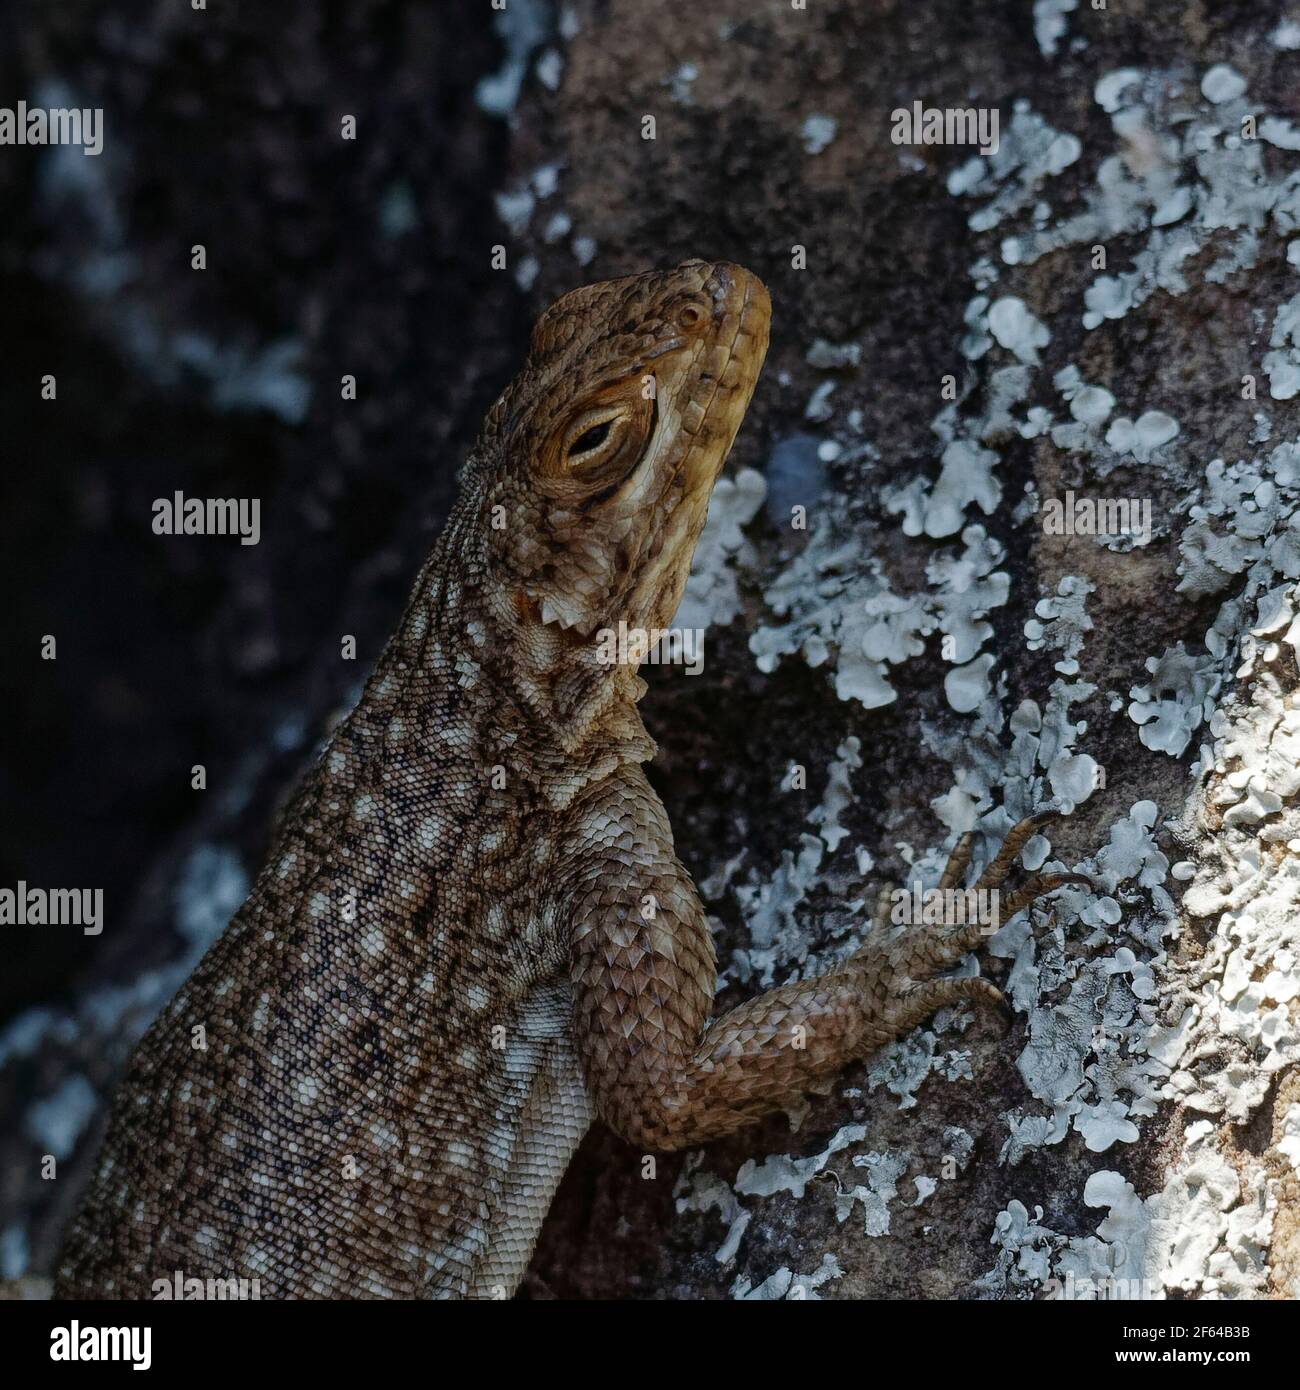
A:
1105,309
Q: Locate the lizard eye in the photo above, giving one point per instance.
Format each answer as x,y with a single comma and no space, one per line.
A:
591,439
602,444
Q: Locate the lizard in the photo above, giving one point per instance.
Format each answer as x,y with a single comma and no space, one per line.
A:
472,936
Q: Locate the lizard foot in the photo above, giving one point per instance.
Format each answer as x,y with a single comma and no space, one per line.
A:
901,977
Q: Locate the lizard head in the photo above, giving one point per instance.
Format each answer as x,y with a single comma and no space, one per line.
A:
598,462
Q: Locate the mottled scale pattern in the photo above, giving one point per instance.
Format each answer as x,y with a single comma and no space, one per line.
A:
472,935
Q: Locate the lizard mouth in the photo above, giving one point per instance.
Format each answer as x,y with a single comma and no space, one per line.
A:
719,380
728,371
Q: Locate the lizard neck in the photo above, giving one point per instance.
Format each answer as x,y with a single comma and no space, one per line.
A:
552,715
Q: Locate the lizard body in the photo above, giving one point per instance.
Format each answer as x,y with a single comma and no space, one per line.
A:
472,935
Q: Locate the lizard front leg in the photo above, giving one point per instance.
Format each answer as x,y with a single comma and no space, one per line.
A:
644,973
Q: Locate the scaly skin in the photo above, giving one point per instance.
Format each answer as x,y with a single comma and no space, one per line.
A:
472,934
